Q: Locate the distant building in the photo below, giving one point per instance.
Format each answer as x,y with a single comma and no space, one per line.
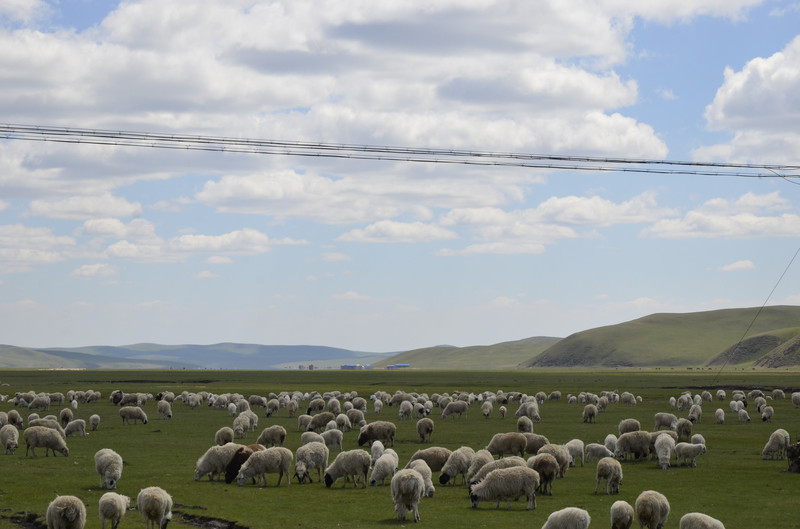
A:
352,366
398,366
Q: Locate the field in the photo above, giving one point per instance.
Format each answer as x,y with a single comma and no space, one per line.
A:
731,482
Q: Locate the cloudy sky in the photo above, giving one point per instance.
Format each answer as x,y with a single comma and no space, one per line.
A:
119,245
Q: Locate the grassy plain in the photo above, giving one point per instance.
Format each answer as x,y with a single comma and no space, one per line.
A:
731,481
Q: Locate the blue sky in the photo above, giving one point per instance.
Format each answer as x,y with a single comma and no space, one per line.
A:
119,245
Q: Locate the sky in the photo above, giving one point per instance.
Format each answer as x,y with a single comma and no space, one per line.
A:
115,245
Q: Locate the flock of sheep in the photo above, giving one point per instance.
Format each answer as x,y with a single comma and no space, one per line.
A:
498,473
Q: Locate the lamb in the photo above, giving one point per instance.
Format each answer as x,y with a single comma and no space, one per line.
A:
320,421
744,416
652,509
276,459
383,431
778,443
664,448
575,449
548,468
78,426
214,461
38,436
507,443
719,415
164,409
383,468
502,412
155,504
132,413
597,451
425,429
698,520
457,407
352,463
568,518
609,469
666,420
481,458
622,515
407,488
405,410
66,512
435,457
458,463
505,484
506,462
589,413
628,425
112,507
273,435
636,443
9,438
108,465
223,436
333,438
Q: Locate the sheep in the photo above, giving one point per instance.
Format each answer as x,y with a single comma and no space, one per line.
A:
333,438
457,407
310,437
66,512
778,443
77,426
535,442
214,461
155,504
48,423
241,425
575,449
425,429
108,464
376,451
353,463
223,436
273,435
407,488
666,420
528,409
609,469
664,448
505,484
622,515
9,438
273,460
383,431
481,458
652,509
458,463
40,403
636,443
486,409
610,442
524,425
744,416
597,451
684,428
15,418
132,413
766,413
507,443
435,457
38,436
320,421
560,453
589,413
383,468
795,399
302,422
548,468
688,451
112,507
64,416
239,457
502,412
719,416
698,520
698,439
568,518
506,462
164,409
343,423
356,417
628,425
695,413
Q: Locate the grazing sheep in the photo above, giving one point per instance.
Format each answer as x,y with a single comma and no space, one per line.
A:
383,468
481,458
273,435
303,422
589,413
535,442
507,443
66,512
65,416
241,425
529,409
48,423
352,463
486,409
343,423
376,451
719,415
506,462
112,507
9,438
42,436
622,515
744,416
435,457
609,469
214,461
333,438
273,460
698,520
698,439
795,400
405,410
575,449
610,442
223,436
15,418
425,429
311,437
560,453
77,426
502,412
666,420
457,407
132,413
547,467
568,518
695,413
628,425
240,456
524,425
596,451
458,463
766,413
652,509
383,431
664,448
636,443
407,487
320,421
94,422
356,417
164,409
505,484
155,504
108,464
778,443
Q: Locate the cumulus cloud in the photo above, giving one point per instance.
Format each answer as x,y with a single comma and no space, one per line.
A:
206,274
245,241
404,232
86,207
219,259
22,247
738,266
335,257
95,270
351,296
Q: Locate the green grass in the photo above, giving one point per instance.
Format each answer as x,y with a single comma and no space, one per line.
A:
731,481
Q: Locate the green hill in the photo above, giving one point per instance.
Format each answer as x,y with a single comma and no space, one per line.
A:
690,339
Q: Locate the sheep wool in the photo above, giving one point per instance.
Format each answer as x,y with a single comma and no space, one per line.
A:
507,484
66,512
273,460
652,509
622,515
132,413
155,505
308,457
458,463
425,429
609,469
42,436
108,464
351,463
77,426
435,457
9,438
383,468
686,452
698,520
112,507
568,518
513,443
778,444
407,487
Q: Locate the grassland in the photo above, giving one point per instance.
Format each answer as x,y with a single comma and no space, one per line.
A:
731,481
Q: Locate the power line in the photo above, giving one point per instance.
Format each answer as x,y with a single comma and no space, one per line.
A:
227,144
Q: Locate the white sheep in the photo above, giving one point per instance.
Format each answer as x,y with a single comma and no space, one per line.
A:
524,425
311,437
383,468
223,436
405,410
351,463
273,435
622,515
108,464
568,518
425,429
333,438
425,471
458,463
486,409
42,436
590,413
376,451
628,425
766,413
535,442
743,415
302,422
575,449
796,398
65,416
507,443
547,467
636,443
273,460
435,457
652,509
49,422
695,413
778,443
383,431
77,426
609,469
666,420
214,461
719,416
457,407
155,505
495,464
698,520
596,451
241,425
506,484
481,458
529,409
560,453
664,448
610,442
9,438
164,409
112,507
684,452
343,423
407,488
66,512
319,422
132,413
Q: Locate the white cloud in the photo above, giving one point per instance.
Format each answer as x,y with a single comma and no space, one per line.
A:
335,257
667,94
206,274
402,232
22,247
351,296
246,241
95,270
738,266
86,207
219,259
502,302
